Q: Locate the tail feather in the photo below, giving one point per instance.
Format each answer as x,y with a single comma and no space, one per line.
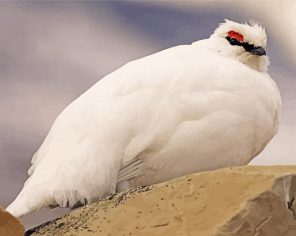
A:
30,199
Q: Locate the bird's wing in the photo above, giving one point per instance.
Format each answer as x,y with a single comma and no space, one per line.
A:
131,80
129,170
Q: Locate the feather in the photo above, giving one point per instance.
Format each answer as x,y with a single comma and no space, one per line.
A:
130,170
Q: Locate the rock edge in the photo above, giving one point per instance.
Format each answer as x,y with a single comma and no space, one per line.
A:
247,200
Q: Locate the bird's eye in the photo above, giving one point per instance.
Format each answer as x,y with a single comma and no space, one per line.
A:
233,41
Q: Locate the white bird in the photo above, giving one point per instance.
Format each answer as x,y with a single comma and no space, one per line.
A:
186,109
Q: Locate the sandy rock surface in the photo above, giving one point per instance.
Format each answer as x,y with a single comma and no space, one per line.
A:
241,201
9,225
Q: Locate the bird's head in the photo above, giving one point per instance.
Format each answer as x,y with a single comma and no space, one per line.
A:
245,42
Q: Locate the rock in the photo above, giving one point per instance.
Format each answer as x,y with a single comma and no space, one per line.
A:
9,225
240,201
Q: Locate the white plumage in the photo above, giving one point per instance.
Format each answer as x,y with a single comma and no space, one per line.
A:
186,109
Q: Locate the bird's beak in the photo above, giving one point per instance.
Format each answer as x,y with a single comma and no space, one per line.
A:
258,51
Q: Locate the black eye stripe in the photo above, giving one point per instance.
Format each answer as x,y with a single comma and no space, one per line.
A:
248,47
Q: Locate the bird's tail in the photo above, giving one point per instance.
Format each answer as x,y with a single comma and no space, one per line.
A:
29,200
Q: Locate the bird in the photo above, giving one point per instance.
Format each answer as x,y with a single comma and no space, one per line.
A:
186,109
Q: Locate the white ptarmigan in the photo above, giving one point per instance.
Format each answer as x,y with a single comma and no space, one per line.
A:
186,109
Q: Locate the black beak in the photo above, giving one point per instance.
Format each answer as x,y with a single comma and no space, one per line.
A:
258,51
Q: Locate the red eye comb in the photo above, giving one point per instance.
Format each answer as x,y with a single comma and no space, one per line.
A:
239,37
